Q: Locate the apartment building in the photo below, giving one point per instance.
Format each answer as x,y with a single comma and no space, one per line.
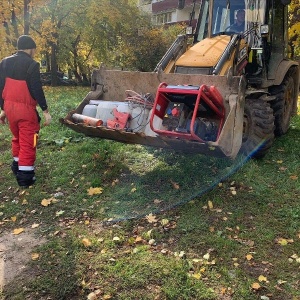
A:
170,11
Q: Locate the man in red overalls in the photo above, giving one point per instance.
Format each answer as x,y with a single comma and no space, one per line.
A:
20,92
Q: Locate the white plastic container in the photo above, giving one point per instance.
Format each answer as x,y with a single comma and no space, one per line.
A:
139,118
105,110
90,110
124,107
157,124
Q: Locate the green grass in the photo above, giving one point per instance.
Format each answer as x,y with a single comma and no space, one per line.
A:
188,252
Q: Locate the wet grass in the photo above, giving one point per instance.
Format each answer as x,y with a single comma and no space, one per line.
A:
245,231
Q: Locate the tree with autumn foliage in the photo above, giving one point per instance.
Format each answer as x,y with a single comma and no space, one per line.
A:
78,35
125,37
294,28
59,25
16,21
144,49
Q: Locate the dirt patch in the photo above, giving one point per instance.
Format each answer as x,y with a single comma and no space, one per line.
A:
15,252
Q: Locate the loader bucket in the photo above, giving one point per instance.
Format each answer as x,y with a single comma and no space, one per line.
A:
110,86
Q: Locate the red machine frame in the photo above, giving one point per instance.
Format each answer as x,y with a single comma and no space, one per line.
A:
209,94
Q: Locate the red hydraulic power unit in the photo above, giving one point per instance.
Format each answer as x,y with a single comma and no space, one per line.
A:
188,112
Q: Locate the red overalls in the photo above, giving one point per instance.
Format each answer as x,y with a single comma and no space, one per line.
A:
20,109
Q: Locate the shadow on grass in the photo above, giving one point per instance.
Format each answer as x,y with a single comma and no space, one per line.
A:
152,182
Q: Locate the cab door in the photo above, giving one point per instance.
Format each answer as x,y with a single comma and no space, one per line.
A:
278,23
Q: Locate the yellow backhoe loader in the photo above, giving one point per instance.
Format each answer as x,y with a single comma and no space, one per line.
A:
224,87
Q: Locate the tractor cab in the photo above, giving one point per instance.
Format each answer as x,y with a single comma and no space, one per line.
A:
243,37
220,17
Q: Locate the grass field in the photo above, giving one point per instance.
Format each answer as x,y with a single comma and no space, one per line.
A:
239,240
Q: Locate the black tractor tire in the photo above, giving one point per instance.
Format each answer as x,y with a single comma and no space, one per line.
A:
258,129
284,104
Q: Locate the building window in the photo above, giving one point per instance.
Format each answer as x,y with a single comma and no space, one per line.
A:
163,18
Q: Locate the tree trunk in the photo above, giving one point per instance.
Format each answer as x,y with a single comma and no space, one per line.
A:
14,22
26,16
77,76
54,79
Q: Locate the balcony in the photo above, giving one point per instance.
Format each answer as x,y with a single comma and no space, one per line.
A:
168,5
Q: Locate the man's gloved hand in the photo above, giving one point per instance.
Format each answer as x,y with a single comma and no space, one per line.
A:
2,117
47,118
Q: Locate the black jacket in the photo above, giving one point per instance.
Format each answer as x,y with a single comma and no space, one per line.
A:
21,66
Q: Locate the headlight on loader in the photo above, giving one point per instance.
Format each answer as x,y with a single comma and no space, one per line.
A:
264,30
189,30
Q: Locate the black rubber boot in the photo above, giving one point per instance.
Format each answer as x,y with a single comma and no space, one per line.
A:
15,167
25,178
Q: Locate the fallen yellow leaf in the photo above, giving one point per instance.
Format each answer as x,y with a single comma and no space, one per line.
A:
284,242
86,242
18,231
262,278
35,225
197,275
95,191
164,222
151,218
138,239
14,218
294,177
210,204
35,256
256,286
92,296
46,202
206,256
249,256
175,185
